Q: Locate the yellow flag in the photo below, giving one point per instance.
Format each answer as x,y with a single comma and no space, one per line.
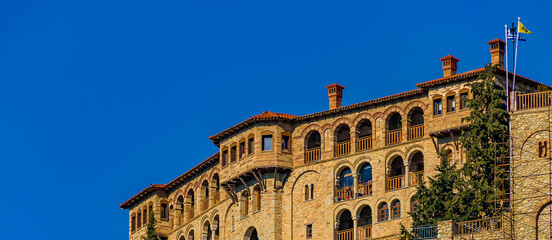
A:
522,28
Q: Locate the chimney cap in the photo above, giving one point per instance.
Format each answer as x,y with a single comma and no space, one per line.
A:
335,85
447,57
496,40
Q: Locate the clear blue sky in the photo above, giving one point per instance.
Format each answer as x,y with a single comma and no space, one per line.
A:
99,99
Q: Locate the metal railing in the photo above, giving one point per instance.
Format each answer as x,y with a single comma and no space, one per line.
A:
533,100
365,189
364,143
415,132
312,155
393,137
342,148
479,225
416,178
395,182
425,232
344,193
346,234
364,232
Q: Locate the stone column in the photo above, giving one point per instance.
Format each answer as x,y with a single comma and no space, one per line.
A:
404,128
355,225
353,140
446,229
407,174
355,183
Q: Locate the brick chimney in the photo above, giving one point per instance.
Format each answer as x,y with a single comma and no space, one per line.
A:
449,65
335,93
497,52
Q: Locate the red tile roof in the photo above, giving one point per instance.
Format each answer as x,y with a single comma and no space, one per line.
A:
265,116
173,184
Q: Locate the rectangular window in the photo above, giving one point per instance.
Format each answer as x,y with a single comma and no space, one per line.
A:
242,149
133,224
232,154
224,157
285,143
451,104
463,100
250,146
309,231
437,107
164,211
138,220
267,142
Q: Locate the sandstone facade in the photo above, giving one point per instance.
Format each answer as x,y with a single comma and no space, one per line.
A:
346,173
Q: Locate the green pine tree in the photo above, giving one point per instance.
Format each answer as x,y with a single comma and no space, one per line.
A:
405,234
489,125
437,199
151,234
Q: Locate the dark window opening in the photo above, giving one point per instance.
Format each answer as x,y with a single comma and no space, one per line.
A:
242,149
224,157
267,143
309,231
463,100
250,146
233,154
164,211
285,143
451,104
437,107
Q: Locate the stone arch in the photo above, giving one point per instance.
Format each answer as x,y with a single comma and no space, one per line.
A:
361,117
416,103
361,161
340,209
538,215
251,234
309,128
392,109
391,154
339,121
341,165
413,149
529,137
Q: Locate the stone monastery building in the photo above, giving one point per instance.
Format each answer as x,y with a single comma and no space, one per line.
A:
346,173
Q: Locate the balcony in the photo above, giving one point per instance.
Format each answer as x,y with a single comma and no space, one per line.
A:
191,214
312,155
416,178
204,204
532,100
395,182
365,189
364,232
344,234
344,193
342,148
415,132
364,143
216,196
392,137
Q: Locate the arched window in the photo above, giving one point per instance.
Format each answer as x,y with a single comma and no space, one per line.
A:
207,234
205,193
307,192
416,168
257,198
345,221
215,186
364,133
180,204
450,156
396,174
191,235
313,143
244,204
365,180
217,226
415,123
396,208
344,184
312,191
190,201
394,129
383,212
365,223
343,140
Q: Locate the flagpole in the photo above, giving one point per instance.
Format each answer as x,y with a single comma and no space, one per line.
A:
506,67
515,56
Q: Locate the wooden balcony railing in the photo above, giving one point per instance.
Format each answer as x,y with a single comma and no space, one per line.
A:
364,232
416,178
312,155
533,100
395,182
479,225
342,148
344,193
393,137
365,189
204,204
415,132
364,143
344,234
